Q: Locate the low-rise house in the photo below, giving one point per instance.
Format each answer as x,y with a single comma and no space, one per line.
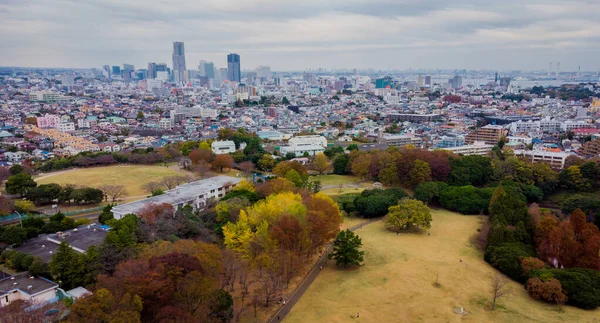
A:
27,288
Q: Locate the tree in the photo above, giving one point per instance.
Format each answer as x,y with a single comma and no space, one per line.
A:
419,173
340,164
24,206
321,164
247,167
284,167
498,288
113,192
222,161
346,249
429,192
266,162
67,266
20,184
152,186
360,165
140,115
293,176
408,214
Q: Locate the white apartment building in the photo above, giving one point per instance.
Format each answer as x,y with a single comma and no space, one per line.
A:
517,139
572,125
152,84
208,113
548,125
401,140
223,147
555,159
165,123
66,126
479,148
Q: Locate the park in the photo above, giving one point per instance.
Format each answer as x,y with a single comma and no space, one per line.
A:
132,177
397,282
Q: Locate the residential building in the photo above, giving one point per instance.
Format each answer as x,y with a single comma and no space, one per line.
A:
555,159
308,140
489,134
479,148
48,121
65,126
195,194
592,148
400,140
411,117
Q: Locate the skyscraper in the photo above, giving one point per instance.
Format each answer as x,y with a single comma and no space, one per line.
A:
206,69
151,70
233,68
178,62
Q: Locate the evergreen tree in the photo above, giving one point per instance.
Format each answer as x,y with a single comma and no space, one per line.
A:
346,249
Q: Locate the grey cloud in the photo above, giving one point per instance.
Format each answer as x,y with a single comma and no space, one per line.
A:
301,34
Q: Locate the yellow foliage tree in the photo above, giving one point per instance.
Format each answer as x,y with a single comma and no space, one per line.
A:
245,185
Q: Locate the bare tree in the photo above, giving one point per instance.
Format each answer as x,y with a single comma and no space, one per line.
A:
243,275
105,189
230,268
152,186
202,168
246,167
116,192
171,181
498,287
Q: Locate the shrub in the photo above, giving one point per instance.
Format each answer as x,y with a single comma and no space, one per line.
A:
581,285
550,291
375,203
507,257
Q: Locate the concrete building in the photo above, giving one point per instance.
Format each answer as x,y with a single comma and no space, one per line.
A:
194,194
400,140
591,148
489,134
48,121
555,159
26,288
308,140
479,148
223,147
65,126
396,117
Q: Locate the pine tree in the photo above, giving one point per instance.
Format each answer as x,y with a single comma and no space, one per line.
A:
346,249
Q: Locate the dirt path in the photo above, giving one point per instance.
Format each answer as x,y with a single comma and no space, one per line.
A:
293,298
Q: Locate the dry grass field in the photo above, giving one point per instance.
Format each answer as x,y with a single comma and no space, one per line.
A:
396,284
132,177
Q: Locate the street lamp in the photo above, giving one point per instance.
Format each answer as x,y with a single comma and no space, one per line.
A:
20,218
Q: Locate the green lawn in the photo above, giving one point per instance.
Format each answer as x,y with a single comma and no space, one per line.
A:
132,177
396,284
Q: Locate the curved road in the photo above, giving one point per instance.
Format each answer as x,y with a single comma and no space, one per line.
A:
293,298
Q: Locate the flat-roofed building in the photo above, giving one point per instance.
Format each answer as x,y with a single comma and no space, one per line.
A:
592,148
26,288
479,148
412,117
555,159
400,140
194,194
223,147
489,134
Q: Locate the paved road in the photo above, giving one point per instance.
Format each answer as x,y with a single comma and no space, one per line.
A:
293,298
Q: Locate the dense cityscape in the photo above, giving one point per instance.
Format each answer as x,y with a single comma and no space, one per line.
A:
225,191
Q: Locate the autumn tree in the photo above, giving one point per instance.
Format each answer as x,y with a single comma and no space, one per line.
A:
285,166
247,167
419,173
346,249
360,165
222,161
321,163
408,214
275,186
549,291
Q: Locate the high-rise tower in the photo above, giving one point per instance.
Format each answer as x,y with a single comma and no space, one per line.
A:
233,68
179,62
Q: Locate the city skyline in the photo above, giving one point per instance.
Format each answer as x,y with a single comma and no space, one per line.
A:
290,36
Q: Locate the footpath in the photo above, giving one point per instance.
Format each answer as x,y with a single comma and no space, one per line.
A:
293,298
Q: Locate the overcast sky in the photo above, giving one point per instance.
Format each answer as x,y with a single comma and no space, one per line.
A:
295,35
